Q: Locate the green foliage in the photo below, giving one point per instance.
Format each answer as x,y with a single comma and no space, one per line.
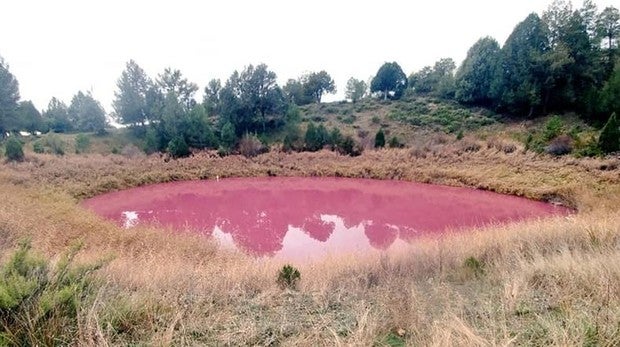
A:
130,104
151,141
57,116
29,118
82,143
178,148
446,117
553,128
437,80
311,138
477,77
252,100
349,147
609,100
392,340
335,138
14,149
522,67
316,137
317,84
38,147
380,139
86,113
9,96
609,140
228,137
288,277
395,143
390,81
356,89
55,144
39,303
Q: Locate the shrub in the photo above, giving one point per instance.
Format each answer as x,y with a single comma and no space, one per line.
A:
395,143
151,141
82,142
14,149
178,148
335,138
349,147
56,144
228,137
250,146
553,128
39,304
380,139
375,120
609,140
38,147
316,137
560,145
288,277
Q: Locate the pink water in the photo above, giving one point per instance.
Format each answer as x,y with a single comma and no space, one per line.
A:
299,218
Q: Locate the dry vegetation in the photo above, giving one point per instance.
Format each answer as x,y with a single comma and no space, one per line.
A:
550,282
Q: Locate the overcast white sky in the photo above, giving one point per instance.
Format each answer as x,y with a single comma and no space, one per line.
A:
56,48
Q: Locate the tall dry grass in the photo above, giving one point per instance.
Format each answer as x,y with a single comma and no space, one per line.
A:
544,282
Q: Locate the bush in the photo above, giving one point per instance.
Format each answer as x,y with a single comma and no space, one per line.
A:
82,142
14,149
553,128
349,147
250,146
39,304
228,137
56,144
395,143
178,148
380,139
609,140
38,147
288,277
561,145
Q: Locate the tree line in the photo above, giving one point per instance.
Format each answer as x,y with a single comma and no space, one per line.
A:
565,60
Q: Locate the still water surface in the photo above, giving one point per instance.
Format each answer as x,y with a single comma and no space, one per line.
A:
301,218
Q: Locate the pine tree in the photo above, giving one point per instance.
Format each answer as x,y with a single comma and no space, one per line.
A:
380,139
609,141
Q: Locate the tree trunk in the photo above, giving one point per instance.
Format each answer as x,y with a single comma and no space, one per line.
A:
385,94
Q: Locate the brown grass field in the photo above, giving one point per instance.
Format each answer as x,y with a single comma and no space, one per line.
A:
540,282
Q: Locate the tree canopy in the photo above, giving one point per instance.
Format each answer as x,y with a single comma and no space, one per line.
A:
130,103
9,96
356,89
86,113
476,79
390,81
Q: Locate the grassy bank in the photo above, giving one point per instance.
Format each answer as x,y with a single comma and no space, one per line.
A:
554,281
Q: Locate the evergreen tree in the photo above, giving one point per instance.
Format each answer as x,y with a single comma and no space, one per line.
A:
609,140
477,78
380,139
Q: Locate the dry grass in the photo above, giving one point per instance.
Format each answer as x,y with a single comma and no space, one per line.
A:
548,282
